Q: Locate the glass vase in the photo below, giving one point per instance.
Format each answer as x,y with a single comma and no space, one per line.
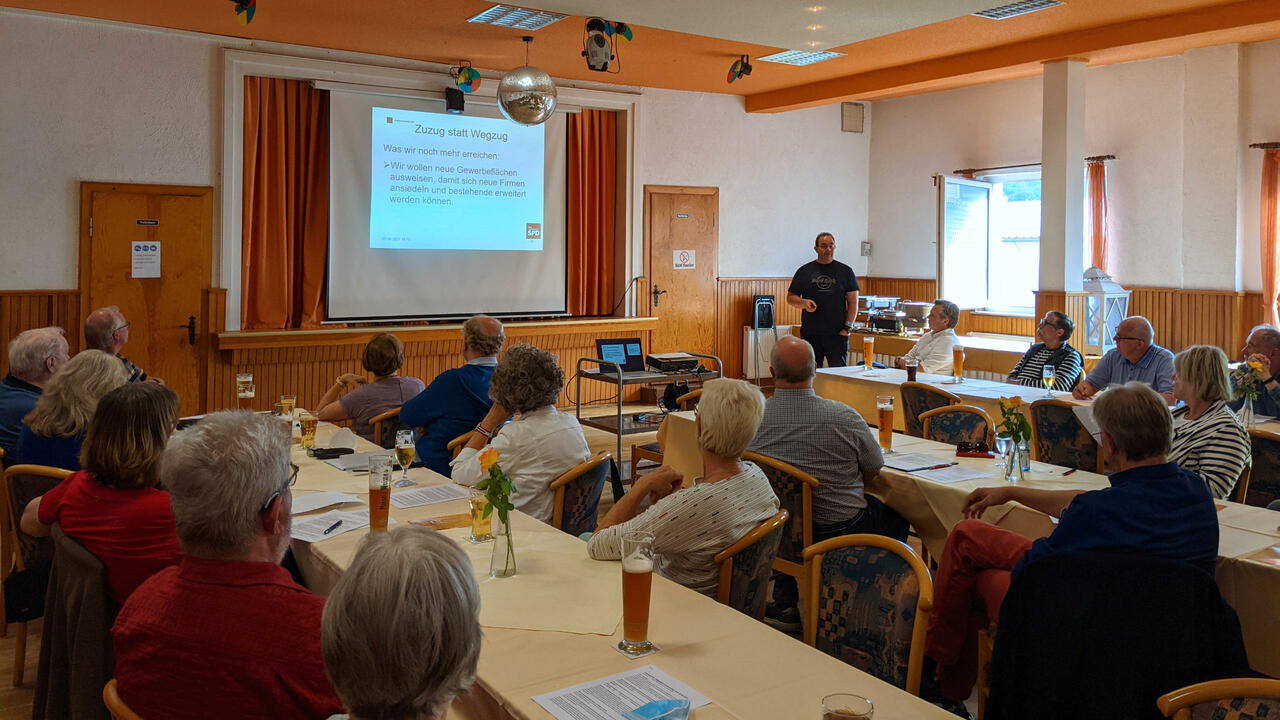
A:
1024,455
502,563
1013,464
1246,413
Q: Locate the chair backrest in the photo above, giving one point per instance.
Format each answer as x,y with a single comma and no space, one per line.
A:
455,445
1105,634
919,398
955,424
578,494
794,488
868,604
1060,439
384,427
1241,489
75,644
116,706
689,400
747,565
1264,478
1236,698
22,484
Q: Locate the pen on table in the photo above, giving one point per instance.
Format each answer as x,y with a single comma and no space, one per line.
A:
939,467
1068,472
332,527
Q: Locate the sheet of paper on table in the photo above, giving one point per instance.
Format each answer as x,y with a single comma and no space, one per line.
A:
911,462
1084,413
315,501
356,462
609,697
311,529
429,495
953,474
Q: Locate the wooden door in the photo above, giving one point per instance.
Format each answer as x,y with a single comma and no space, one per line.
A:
682,231
118,220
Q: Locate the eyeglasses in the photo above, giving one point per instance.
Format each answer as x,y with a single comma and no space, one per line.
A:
121,327
293,478
1134,339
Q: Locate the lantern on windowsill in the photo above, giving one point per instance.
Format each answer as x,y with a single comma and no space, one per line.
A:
1106,304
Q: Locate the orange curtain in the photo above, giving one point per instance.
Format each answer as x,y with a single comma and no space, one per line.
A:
1267,232
1097,170
593,143
286,204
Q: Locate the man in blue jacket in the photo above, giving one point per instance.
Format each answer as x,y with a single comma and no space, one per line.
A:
459,398
34,356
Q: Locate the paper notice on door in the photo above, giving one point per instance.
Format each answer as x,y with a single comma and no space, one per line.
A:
146,260
684,259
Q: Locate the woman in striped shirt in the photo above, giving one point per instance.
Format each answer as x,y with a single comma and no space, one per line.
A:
1053,349
1207,437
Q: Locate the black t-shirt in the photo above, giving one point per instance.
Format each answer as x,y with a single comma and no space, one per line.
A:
827,286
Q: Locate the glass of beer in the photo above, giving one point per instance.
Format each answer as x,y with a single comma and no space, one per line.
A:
286,422
379,491
404,456
308,423
481,527
868,350
884,407
637,577
245,390
287,404
844,706
912,366
957,363
1047,375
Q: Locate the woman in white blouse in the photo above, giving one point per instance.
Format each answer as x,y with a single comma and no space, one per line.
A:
691,525
538,444
933,349
1207,437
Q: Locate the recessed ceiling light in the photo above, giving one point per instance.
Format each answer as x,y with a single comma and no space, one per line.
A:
801,57
1004,12
815,28
515,17
814,8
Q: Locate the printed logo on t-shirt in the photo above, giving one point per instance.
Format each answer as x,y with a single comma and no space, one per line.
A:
823,282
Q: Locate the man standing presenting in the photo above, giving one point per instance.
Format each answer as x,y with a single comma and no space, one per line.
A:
826,290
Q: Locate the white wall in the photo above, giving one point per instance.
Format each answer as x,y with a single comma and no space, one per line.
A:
1260,122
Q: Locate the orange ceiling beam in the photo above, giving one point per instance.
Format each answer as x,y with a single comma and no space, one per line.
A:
1021,59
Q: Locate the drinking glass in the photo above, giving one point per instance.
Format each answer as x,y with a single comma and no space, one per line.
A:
308,423
288,403
957,363
884,408
379,491
868,353
912,366
1004,443
404,456
1047,375
637,577
844,706
245,390
286,421
481,527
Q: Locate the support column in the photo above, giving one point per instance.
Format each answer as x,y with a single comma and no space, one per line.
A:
1062,182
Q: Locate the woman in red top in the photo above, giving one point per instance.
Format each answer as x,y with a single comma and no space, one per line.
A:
114,506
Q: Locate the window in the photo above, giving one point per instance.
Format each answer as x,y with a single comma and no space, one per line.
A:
989,254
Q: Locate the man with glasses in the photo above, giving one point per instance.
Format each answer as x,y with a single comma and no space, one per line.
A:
826,291
1263,347
226,632
1054,350
106,329
1135,357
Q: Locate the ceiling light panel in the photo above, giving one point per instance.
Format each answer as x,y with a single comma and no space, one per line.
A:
1004,12
515,17
800,57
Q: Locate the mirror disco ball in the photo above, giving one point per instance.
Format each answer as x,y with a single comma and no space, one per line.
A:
527,95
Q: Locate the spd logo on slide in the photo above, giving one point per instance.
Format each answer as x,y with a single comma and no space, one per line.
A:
533,231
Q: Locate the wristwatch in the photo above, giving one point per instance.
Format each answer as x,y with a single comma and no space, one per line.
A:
848,326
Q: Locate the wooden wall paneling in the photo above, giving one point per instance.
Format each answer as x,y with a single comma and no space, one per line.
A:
983,322
916,289
1182,318
26,309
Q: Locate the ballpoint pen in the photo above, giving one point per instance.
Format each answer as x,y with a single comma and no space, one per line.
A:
939,467
332,527
1068,472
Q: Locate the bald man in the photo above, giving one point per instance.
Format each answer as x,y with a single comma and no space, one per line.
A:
1135,357
107,330
830,441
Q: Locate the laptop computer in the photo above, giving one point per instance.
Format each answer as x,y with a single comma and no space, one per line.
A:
627,352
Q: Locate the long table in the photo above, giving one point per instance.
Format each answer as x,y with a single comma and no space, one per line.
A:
748,669
1248,571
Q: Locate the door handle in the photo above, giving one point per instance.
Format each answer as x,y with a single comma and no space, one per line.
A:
191,329
656,293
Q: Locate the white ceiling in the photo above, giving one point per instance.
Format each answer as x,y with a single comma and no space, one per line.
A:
775,23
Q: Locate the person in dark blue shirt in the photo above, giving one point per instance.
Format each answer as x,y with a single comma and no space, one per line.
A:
826,290
1153,507
457,399
34,356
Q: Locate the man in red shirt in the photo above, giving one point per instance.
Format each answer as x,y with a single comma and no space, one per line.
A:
225,633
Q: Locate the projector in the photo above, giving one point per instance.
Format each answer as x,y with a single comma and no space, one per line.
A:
671,362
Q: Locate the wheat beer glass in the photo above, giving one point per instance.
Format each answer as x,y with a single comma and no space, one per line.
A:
404,456
637,577
868,350
308,423
379,491
957,362
245,390
481,527
884,409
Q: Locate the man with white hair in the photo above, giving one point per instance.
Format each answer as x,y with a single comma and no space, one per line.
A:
1135,357
107,330
226,632
34,356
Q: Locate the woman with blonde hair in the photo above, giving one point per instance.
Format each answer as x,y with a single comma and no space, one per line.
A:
365,400
53,431
1208,439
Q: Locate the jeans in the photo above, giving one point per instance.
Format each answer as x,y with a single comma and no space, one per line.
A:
832,348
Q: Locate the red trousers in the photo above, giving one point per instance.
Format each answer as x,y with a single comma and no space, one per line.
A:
972,579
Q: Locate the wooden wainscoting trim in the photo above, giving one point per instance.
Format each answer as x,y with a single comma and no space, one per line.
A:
26,309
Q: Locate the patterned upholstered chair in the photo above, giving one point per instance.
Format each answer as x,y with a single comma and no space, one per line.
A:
868,604
1264,482
578,494
919,398
1060,439
794,488
747,565
384,426
955,424
1229,699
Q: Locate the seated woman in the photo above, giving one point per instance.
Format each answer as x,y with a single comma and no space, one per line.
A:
400,635
538,444
1208,439
114,506
383,357
691,525
53,431
1053,349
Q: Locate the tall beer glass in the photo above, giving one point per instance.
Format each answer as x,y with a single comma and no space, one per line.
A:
637,577
868,350
308,423
884,408
957,362
245,391
480,525
379,491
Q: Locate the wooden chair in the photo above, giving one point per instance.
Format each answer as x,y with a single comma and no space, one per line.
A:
747,565
847,575
22,484
116,706
652,452
794,488
1264,480
1234,697
955,424
384,427
986,646
1060,439
455,445
689,400
1241,490
578,494
919,398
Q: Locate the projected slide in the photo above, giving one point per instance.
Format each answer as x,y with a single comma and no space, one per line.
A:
454,182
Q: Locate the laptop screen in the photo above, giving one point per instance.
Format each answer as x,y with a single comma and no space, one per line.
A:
624,351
